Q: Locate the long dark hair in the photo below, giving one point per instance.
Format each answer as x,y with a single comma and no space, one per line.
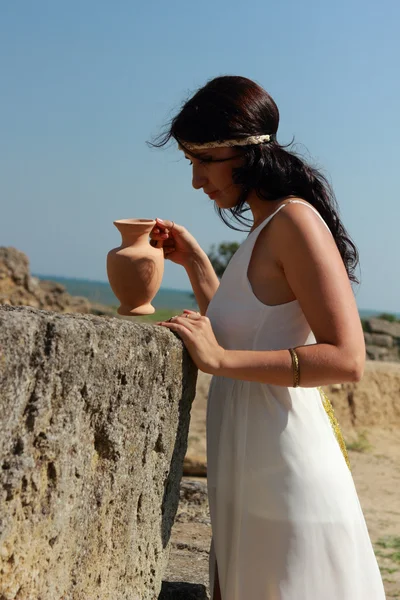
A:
235,107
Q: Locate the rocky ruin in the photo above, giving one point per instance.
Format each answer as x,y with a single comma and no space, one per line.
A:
19,288
94,416
382,339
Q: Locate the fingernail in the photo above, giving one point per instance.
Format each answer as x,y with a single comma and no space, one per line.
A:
160,220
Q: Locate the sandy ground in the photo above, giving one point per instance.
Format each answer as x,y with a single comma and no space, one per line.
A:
376,472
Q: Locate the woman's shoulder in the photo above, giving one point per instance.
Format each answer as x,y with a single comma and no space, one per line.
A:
301,215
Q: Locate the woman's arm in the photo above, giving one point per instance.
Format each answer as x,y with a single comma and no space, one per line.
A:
314,269
320,364
203,278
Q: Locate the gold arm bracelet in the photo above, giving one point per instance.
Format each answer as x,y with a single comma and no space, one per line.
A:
296,367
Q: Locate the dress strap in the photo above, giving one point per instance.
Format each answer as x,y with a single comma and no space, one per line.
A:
309,206
263,223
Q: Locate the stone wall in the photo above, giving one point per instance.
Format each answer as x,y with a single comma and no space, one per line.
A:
94,415
372,402
382,339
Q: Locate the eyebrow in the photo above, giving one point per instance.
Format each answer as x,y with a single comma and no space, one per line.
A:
202,154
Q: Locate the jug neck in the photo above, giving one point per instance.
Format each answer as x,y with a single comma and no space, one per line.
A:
134,230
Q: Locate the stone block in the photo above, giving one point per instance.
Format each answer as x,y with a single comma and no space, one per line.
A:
94,416
381,339
383,326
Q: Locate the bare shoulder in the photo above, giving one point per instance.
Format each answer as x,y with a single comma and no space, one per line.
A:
307,253
297,225
300,213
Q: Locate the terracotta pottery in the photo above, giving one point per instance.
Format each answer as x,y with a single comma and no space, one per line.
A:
135,269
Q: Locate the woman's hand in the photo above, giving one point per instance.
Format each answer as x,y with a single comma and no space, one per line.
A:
197,335
178,244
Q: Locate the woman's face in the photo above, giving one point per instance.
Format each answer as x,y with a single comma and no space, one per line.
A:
212,172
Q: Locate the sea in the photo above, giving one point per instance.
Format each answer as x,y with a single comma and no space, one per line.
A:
101,292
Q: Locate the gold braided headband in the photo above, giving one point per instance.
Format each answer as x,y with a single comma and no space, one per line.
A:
248,141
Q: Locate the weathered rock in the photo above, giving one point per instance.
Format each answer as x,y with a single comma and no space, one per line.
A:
377,352
18,288
94,415
379,339
372,402
193,501
382,340
383,326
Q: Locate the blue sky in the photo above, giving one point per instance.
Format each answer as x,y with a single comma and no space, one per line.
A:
85,84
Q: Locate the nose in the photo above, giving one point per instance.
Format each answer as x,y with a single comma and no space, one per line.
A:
199,178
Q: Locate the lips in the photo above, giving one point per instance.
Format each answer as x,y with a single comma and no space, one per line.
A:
211,194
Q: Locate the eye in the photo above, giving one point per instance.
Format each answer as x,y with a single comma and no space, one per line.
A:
190,162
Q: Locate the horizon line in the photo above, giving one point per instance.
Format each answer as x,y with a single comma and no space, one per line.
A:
48,277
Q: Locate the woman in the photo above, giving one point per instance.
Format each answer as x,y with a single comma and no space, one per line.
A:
285,516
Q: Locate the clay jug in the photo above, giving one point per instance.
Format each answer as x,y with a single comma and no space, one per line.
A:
135,269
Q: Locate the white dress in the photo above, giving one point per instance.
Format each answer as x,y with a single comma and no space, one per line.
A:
286,520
